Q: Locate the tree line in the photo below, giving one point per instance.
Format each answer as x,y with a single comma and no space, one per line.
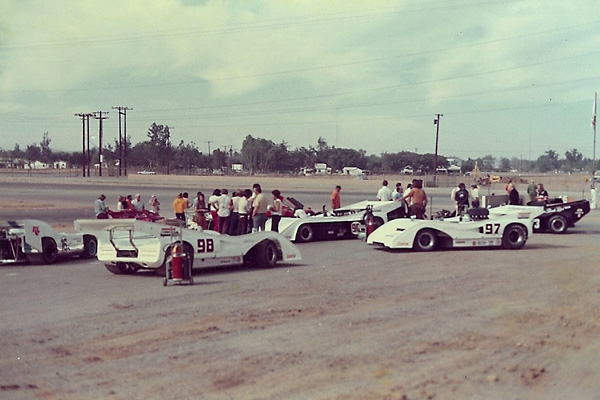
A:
258,155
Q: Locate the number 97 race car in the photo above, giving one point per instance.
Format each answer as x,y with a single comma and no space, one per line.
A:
506,226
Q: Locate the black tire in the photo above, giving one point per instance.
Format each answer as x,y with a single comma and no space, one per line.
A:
514,237
557,224
263,255
49,251
90,247
122,268
425,240
305,234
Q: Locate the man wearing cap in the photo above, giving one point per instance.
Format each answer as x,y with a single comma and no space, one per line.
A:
100,208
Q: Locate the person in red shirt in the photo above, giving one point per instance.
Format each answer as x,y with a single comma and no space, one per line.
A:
335,198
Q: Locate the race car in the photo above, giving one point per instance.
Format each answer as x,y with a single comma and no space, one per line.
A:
144,215
344,222
38,243
128,245
505,226
560,215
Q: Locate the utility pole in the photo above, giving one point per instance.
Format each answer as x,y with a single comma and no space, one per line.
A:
98,115
168,131
208,142
85,118
436,121
122,139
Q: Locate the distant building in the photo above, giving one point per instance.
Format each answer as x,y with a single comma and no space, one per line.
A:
237,168
352,171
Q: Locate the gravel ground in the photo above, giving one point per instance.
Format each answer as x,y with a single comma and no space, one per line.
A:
348,322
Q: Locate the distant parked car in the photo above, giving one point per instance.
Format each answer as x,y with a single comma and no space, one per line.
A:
146,172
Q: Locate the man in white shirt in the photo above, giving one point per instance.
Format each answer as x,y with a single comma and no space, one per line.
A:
138,203
384,193
224,211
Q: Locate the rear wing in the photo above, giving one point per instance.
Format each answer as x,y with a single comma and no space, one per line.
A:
167,227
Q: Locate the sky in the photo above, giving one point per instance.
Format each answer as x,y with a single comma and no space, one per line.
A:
512,78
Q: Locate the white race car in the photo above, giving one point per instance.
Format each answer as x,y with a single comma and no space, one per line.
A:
343,222
37,242
126,245
506,226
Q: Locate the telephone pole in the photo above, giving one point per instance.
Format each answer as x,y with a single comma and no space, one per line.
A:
85,121
436,121
208,142
122,140
98,115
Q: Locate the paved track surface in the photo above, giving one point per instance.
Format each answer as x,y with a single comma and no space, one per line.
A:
348,322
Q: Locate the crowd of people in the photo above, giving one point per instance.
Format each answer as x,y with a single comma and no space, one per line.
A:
246,210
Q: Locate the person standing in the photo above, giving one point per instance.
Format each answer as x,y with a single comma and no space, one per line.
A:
138,203
275,210
475,196
243,211
179,206
155,204
234,217
259,209
418,199
461,197
542,194
100,208
336,202
224,211
213,202
513,196
398,192
532,190
199,207
384,193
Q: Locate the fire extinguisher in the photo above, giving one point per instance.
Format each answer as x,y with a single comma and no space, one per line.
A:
370,220
177,262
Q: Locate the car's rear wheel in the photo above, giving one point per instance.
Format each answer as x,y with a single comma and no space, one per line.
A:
514,237
49,251
425,240
90,247
263,255
305,233
557,224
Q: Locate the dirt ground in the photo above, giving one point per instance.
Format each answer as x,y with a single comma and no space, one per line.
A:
348,322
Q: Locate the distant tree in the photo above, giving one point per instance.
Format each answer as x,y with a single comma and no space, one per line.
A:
504,164
545,163
33,153
467,166
574,158
45,151
17,152
487,163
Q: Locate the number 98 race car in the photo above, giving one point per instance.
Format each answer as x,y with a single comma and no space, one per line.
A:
506,226
127,245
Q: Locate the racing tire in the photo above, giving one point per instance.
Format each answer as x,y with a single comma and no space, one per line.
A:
305,234
122,268
557,224
514,237
49,251
90,247
425,240
263,255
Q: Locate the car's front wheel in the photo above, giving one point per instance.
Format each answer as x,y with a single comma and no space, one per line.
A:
514,237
